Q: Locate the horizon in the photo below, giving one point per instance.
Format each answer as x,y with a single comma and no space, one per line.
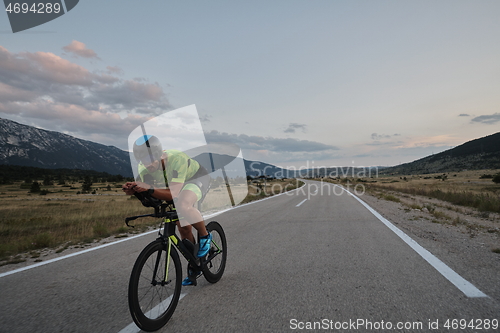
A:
337,83
294,167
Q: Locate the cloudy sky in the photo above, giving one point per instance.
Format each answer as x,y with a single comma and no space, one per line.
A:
329,82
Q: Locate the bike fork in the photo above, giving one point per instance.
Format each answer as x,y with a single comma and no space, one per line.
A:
157,264
169,247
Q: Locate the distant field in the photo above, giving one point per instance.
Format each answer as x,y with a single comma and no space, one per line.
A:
467,188
61,218
30,221
468,181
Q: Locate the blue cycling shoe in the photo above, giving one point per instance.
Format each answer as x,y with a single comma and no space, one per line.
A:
204,245
187,282
190,280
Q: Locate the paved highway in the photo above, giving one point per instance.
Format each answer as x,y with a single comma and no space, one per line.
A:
308,259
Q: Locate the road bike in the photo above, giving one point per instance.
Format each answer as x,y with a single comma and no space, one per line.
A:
155,281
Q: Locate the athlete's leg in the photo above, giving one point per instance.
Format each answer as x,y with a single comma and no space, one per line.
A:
186,231
185,204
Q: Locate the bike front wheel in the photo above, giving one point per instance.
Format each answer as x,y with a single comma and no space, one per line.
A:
216,258
155,286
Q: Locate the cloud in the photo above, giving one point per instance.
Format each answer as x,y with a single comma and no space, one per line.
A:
74,118
205,118
376,136
303,157
67,97
464,115
384,143
431,141
25,77
294,126
114,70
80,50
259,143
32,71
144,98
11,94
405,146
487,119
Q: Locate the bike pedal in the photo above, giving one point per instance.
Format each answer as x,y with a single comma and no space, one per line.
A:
191,282
193,274
194,282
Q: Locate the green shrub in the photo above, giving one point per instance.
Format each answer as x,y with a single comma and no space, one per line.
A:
390,197
440,215
42,240
415,206
35,187
100,230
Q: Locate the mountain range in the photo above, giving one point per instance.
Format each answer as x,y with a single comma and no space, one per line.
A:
478,154
30,146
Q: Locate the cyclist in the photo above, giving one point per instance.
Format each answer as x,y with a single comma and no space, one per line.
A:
187,181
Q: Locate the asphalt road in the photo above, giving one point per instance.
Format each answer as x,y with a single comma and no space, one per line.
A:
291,263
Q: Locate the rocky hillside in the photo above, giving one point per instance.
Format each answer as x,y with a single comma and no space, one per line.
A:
29,146
478,154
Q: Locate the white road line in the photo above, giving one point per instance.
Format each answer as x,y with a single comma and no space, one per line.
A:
129,238
73,254
301,202
132,328
463,285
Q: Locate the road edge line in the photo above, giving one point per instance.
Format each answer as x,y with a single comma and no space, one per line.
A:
462,284
21,269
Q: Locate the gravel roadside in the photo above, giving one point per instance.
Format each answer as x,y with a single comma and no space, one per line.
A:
462,238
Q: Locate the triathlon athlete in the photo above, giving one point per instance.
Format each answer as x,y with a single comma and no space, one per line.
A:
187,183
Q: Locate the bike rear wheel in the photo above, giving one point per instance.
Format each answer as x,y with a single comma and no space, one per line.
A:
155,286
217,254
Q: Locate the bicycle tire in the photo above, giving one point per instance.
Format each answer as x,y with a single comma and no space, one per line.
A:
213,270
151,301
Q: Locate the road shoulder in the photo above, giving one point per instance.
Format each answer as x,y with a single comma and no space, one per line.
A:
465,247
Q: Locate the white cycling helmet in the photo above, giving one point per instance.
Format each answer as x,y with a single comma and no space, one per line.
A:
147,149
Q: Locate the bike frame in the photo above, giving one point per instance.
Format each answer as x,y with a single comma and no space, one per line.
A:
169,237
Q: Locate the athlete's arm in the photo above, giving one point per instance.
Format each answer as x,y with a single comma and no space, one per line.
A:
163,194
128,188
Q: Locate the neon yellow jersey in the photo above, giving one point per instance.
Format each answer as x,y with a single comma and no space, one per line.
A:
178,169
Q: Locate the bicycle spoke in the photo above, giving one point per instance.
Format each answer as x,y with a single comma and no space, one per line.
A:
216,260
153,298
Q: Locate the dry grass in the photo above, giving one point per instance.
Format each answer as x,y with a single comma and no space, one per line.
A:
465,181
218,198
466,188
30,222
466,201
260,190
